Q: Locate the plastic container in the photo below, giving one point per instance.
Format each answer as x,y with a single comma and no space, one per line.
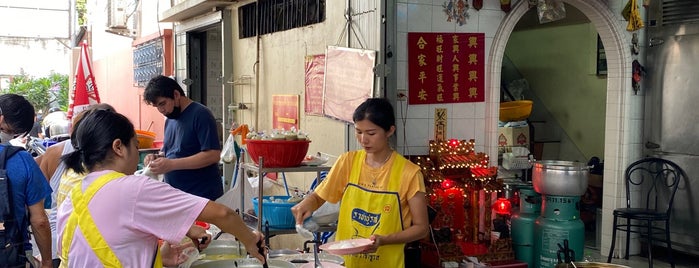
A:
276,214
145,139
278,153
515,110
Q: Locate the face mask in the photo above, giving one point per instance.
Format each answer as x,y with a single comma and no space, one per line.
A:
5,137
175,113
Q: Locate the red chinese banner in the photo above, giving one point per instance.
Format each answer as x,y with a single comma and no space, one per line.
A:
446,67
315,72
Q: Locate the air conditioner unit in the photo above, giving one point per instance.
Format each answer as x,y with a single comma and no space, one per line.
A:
117,17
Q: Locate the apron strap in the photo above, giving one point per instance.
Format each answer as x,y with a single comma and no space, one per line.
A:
81,217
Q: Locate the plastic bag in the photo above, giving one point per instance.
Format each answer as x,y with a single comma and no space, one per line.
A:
327,213
228,154
550,10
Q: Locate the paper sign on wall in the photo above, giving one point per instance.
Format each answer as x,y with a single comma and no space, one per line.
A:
285,111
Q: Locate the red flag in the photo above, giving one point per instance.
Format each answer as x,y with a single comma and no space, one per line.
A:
84,92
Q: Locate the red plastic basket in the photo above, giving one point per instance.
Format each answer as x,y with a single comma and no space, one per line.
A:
278,153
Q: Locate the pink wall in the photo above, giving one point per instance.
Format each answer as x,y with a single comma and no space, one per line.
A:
114,78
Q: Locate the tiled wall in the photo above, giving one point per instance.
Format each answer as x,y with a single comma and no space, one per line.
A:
624,110
465,120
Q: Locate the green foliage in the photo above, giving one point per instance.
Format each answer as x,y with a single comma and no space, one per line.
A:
44,92
81,9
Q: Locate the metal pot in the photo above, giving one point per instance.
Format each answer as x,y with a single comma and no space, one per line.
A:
564,178
242,263
599,265
276,253
303,258
225,247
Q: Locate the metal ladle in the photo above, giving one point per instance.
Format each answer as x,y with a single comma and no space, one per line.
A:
315,255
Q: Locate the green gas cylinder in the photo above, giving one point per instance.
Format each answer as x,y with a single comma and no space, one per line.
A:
522,222
559,221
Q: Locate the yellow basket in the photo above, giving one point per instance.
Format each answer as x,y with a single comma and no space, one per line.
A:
515,110
145,139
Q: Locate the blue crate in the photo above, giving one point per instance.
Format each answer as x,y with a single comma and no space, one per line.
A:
277,215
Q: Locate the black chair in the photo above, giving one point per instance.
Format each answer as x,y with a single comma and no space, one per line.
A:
654,182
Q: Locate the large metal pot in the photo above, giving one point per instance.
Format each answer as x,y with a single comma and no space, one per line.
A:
599,265
242,263
224,249
564,178
303,258
276,253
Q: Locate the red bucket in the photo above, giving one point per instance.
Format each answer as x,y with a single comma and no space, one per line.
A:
279,153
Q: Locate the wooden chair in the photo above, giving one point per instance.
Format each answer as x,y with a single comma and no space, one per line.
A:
654,182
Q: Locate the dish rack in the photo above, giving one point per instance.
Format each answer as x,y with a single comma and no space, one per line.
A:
519,158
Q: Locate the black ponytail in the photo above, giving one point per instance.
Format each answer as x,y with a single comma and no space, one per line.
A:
93,136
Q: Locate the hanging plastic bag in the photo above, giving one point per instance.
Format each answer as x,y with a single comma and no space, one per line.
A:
550,10
228,153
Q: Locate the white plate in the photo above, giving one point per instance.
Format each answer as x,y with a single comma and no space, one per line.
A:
347,247
313,160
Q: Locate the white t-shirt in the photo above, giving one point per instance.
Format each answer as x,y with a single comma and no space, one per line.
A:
131,213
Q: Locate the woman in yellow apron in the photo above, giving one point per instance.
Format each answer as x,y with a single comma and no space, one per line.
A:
111,219
382,193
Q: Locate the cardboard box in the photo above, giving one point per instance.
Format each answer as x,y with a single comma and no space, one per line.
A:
513,136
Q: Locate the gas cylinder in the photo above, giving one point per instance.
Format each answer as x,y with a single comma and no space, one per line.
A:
559,221
522,222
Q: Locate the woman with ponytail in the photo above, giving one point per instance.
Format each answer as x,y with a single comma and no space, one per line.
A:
111,219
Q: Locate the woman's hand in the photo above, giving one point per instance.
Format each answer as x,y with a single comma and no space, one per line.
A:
303,210
252,246
378,241
200,238
171,255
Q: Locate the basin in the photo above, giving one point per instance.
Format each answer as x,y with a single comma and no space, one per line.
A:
563,178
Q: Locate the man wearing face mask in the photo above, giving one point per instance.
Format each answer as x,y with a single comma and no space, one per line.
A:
27,185
191,145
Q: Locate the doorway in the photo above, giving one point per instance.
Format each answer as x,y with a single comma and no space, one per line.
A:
204,71
623,127
569,96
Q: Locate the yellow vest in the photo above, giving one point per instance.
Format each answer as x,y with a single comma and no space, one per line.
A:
365,212
81,217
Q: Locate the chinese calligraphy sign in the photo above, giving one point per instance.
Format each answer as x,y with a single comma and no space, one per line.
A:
446,68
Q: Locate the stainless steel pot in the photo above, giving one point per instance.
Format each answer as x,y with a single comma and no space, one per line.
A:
225,247
599,265
564,178
276,253
303,258
242,263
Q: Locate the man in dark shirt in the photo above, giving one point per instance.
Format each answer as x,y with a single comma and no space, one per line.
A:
191,145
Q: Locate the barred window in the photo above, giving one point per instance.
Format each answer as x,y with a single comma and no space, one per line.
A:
279,15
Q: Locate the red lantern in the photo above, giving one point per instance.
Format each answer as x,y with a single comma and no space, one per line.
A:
447,184
502,206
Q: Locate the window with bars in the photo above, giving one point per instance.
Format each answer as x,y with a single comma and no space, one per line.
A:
279,15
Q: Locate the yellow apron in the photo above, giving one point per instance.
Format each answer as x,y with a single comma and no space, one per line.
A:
365,212
81,217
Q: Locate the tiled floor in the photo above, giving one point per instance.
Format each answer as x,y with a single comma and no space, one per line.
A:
681,260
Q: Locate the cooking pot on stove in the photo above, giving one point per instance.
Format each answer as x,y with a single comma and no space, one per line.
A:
275,253
224,249
598,265
563,178
303,258
242,263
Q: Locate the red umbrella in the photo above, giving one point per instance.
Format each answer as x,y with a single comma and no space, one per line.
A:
84,92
